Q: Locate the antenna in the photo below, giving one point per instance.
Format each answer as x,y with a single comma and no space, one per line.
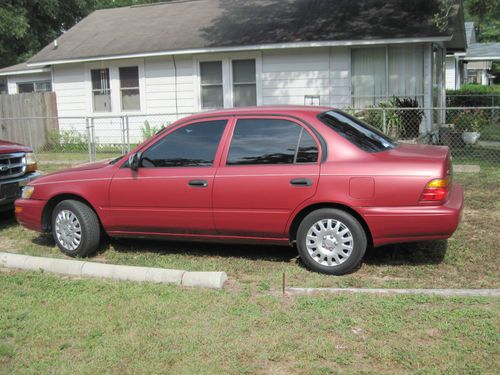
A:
55,44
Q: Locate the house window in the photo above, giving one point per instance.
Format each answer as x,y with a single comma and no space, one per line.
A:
40,86
129,87
3,87
212,93
244,83
380,73
101,91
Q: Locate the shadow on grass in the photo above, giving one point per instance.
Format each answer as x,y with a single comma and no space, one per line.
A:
432,252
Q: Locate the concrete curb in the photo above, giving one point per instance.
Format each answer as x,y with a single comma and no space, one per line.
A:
214,280
382,291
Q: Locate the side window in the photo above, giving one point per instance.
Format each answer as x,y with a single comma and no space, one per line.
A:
269,141
308,149
192,145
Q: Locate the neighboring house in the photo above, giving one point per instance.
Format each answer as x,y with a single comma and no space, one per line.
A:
187,56
473,66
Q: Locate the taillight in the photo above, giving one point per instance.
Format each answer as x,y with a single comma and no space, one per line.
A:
436,190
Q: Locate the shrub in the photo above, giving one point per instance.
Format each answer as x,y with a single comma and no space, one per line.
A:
473,120
148,131
410,119
474,96
67,140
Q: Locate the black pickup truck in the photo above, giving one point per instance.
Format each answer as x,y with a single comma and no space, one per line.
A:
18,166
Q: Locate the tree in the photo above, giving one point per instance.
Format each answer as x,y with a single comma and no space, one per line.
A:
486,15
26,26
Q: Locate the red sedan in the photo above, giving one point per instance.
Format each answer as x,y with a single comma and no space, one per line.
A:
315,177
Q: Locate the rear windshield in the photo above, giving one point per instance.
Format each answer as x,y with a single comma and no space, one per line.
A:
357,132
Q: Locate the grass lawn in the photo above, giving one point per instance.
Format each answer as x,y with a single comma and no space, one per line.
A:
51,324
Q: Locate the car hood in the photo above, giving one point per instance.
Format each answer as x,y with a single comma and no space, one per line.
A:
7,147
75,172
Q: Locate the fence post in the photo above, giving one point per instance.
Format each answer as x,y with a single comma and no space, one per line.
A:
122,129
89,137
128,133
384,118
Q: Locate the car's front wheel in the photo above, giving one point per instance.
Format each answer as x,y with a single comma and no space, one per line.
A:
75,228
331,241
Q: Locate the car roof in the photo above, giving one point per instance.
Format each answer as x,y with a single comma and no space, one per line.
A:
292,110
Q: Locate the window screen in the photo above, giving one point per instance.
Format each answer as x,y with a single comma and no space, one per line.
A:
269,141
25,87
212,95
129,86
244,85
101,91
192,145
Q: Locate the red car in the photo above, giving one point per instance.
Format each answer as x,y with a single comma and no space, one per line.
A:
311,176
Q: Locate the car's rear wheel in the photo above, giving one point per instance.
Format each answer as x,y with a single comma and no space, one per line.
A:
75,228
331,241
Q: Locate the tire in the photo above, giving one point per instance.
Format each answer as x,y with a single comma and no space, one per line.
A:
325,246
75,228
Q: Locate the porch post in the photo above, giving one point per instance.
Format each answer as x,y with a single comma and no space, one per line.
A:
427,124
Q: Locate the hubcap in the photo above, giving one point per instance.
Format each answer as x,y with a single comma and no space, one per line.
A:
68,230
329,242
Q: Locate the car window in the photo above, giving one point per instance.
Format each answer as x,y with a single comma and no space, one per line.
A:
270,141
192,145
308,149
362,135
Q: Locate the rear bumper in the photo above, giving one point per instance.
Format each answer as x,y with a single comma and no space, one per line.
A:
405,224
29,213
10,189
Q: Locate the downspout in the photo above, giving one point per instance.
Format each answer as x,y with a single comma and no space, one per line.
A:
175,89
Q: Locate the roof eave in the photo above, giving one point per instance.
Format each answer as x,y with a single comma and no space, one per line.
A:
247,48
24,72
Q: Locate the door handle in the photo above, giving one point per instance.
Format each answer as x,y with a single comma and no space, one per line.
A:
301,182
198,183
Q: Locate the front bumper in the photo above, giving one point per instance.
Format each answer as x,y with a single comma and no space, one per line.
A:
420,223
10,189
29,213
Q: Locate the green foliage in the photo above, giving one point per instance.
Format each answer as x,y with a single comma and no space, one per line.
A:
473,120
410,118
67,140
474,96
148,131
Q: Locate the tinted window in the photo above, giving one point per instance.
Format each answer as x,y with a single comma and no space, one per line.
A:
192,145
267,141
308,149
357,132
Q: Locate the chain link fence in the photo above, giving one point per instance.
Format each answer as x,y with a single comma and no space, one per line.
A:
472,133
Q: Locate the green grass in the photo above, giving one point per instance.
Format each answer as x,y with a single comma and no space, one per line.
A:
491,133
54,325
469,259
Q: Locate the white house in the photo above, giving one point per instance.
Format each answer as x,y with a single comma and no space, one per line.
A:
182,57
474,65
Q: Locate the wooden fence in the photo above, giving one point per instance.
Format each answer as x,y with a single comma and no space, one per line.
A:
29,119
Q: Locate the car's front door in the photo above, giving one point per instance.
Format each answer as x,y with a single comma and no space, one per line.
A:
171,192
271,166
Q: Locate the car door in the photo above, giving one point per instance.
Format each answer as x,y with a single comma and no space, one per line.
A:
171,192
271,165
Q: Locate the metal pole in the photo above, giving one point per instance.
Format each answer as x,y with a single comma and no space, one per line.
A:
384,126
92,132
128,133
87,126
122,128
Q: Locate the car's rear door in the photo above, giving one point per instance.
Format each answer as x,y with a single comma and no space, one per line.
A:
270,165
171,192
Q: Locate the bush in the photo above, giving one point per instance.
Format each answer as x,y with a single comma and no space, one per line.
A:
474,96
410,118
67,140
470,120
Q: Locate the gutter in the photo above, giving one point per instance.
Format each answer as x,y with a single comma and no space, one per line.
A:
256,47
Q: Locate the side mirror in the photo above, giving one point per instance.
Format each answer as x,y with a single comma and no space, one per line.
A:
134,161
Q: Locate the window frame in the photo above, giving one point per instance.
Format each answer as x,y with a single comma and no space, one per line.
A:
386,95
93,91
304,127
122,89
221,85
233,83
114,75
227,76
34,84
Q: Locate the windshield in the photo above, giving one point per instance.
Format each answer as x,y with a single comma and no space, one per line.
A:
364,136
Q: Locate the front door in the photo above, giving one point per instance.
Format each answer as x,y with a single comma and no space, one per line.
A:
271,166
171,192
